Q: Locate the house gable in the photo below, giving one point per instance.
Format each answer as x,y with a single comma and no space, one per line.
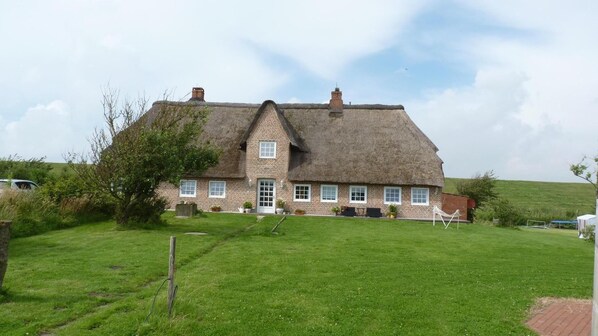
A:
268,133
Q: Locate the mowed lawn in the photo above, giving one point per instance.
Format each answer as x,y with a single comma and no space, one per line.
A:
320,275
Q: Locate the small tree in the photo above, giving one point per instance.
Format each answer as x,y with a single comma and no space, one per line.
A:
584,171
137,152
480,188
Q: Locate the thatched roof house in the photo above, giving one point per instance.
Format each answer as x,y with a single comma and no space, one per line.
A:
345,155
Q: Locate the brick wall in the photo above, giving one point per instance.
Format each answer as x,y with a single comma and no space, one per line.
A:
241,190
452,203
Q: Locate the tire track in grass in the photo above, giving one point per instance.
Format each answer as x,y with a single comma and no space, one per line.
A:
104,305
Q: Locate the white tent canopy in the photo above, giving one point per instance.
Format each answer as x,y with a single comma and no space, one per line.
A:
584,221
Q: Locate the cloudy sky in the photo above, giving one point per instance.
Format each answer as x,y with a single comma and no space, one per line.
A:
508,85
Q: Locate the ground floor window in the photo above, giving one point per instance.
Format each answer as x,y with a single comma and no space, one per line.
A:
329,193
188,188
217,189
302,193
392,195
420,196
358,194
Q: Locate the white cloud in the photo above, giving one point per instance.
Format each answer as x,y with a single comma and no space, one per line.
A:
531,110
42,131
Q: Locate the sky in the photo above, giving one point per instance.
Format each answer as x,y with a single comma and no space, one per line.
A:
509,86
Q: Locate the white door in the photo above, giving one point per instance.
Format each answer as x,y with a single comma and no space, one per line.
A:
266,194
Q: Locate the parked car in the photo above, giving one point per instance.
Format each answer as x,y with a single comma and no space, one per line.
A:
16,184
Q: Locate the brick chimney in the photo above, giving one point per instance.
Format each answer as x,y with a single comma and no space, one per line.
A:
336,101
197,94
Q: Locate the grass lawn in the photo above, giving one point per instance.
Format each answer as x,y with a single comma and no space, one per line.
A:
318,276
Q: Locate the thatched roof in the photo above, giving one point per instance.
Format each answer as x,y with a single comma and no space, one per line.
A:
373,144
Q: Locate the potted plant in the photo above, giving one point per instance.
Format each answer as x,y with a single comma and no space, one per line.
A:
247,206
392,211
299,212
280,206
216,208
335,210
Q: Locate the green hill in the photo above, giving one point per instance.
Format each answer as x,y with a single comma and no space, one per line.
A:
543,199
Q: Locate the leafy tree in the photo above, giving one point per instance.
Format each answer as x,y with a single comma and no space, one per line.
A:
584,171
34,169
479,188
136,152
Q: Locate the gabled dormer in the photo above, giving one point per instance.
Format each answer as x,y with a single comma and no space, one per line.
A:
268,143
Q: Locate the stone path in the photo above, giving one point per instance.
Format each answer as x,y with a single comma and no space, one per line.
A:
561,317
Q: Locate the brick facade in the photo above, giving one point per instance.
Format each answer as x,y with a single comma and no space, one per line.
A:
239,191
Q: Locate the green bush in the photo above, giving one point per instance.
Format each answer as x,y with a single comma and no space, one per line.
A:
504,211
589,234
30,212
507,214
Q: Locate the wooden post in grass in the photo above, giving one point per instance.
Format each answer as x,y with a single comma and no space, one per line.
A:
4,238
171,270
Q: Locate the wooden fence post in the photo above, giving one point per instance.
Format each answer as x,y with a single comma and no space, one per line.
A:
4,238
171,270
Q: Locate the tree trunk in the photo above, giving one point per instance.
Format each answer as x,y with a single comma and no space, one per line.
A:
4,237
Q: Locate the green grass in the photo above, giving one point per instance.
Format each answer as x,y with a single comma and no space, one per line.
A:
557,199
319,276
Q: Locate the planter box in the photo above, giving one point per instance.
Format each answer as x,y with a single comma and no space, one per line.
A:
185,210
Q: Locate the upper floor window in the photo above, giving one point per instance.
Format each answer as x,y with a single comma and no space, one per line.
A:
420,196
302,193
188,188
392,195
217,189
358,194
267,149
328,193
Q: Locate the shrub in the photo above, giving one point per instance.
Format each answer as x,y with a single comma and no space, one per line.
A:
507,214
248,205
480,188
30,212
588,233
280,203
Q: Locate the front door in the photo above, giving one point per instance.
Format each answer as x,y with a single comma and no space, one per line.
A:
266,193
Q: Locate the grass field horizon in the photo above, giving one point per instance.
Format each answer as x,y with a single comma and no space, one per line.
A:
320,275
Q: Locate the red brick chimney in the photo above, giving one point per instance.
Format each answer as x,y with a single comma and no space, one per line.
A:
336,101
197,94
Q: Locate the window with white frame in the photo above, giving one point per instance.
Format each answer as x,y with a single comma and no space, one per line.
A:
420,196
358,194
392,195
217,189
328,193
302,193
267,149
188,188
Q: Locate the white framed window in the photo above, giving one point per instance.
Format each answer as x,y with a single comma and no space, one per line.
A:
420,196
302,193
392,195
188,188
267,149
328,193
358,194
217,189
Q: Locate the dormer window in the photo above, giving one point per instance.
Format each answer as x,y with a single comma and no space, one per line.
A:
267,149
